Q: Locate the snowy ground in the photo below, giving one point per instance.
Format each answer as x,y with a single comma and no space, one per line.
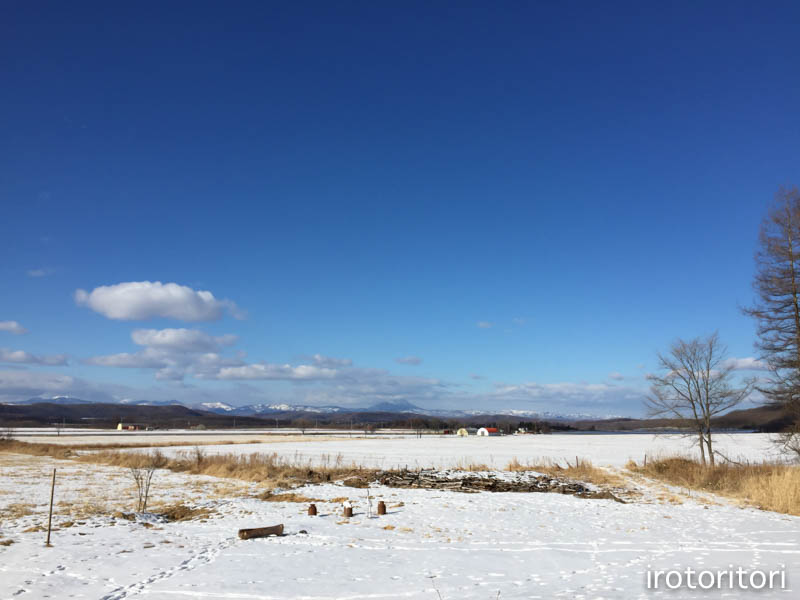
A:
432,544
497,452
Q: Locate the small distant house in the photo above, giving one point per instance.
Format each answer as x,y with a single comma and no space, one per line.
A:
462,432
486,431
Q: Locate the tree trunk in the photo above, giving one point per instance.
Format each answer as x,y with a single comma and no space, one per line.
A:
710,449
702,449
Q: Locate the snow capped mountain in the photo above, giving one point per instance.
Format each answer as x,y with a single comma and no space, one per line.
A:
55,400
260,409
220,407
132,402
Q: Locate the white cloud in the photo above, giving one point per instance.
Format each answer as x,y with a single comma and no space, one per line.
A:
20,385
366,387
169,364
520,321
170,374
174,353
330,362
22,357
616,376
271,371
557,397
142,300
409,360
745,364
149,358
181,340
12,327
484,324
476,376
40,272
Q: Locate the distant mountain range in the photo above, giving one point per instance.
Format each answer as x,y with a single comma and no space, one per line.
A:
399,407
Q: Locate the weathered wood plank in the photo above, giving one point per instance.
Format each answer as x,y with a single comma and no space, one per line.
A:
260,532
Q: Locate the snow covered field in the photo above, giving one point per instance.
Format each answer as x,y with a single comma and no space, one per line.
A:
432,544
497,452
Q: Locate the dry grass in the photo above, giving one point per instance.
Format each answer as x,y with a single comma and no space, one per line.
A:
51,450
472,466
581,470
6,542
271,470
17,510
181,512
82,509
768,486
268,496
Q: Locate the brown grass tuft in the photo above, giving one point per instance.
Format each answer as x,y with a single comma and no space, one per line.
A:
768,486
17,510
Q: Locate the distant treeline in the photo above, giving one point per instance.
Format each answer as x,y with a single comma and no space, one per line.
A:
108,416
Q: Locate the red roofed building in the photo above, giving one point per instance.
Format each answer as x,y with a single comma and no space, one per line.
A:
488,431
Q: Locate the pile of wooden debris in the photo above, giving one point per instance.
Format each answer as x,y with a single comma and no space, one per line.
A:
458,482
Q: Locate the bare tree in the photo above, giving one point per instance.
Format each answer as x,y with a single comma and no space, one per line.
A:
695,386
777,310
302,424
143,476
7,432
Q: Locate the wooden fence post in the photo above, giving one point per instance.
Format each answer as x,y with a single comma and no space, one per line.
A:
50,518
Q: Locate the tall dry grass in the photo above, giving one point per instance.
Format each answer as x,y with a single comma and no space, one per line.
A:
768,486
581,470
271,469
34,449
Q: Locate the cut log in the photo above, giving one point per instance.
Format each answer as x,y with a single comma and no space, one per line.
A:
260,532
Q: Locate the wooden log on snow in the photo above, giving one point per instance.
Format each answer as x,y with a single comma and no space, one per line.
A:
260,532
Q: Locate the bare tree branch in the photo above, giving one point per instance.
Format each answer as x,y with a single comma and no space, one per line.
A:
696,385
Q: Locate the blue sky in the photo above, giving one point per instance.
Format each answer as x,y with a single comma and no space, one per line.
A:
527,200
